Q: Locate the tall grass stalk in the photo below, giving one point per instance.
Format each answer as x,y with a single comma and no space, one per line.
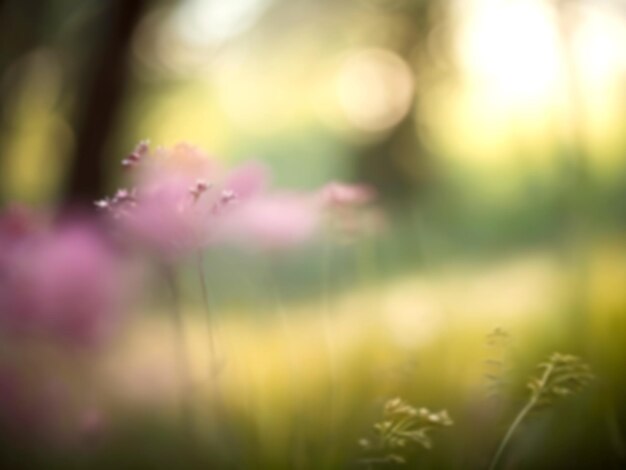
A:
563,375
532,402
329,343
214,359
222,434
181,358
292,355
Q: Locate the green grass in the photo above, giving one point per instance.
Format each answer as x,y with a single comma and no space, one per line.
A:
301,386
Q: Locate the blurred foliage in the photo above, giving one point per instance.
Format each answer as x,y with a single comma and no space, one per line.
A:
504,186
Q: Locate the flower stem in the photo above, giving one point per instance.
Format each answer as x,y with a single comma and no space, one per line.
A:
327,311
521,416
181,358
293,358
218,428
512,428
210,319
329,343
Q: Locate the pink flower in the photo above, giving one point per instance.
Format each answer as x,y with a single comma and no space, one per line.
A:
169,217
337,194
63,283
17,223
273,221
179,198
182,201
247,181
349,211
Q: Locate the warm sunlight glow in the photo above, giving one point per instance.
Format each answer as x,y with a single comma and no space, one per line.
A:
528,67
512,49
202,22
600,47
374,89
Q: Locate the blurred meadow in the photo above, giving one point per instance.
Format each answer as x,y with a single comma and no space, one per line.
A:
471,156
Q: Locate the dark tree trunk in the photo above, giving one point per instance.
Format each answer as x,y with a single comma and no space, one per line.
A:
400,164
103,96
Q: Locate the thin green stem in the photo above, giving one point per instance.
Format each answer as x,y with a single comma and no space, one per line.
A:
218,423
521,416
181,358
327,311
210,320
292,356
329,343
399,427
512,428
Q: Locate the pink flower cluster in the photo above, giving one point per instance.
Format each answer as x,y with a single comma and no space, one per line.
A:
62,283
65,283
183,201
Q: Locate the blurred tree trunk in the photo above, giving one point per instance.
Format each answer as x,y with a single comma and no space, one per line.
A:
20,31
97,111
400,163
